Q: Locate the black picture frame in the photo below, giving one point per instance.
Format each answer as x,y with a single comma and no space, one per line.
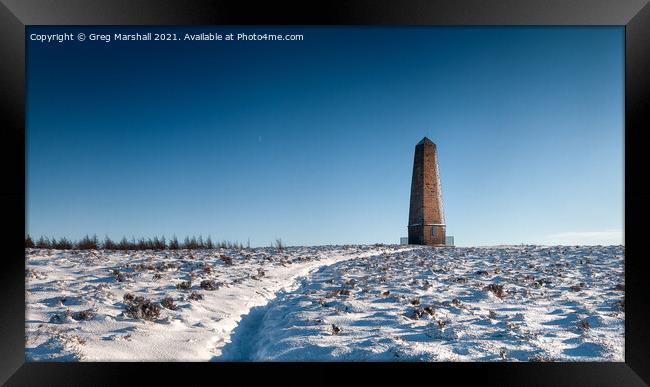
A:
15,15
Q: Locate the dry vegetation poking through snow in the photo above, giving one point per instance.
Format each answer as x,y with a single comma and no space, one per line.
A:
100,305
465,304
510,303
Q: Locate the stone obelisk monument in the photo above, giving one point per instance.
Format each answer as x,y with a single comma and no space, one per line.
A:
426,219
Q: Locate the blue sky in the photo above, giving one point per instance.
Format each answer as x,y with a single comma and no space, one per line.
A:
313,141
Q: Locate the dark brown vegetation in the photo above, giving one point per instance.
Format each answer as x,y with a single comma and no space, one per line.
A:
119,277
59,318
141,308
168,302
185,285
226,259
195,296
260,274
209,285
577,288
83,315
497,290
418,312
337,292
584,324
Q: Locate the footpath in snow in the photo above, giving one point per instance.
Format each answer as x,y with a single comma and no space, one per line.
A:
85,305
350,303
523,303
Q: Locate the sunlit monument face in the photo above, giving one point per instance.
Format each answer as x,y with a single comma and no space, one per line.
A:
426,218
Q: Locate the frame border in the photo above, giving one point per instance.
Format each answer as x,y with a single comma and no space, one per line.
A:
15,15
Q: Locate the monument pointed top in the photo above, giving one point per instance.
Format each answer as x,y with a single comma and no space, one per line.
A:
425,140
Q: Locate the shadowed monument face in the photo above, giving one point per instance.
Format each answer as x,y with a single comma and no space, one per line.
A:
426,219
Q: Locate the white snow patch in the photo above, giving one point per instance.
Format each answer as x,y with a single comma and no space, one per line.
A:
62,283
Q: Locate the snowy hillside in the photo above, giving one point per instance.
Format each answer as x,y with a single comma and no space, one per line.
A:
327,303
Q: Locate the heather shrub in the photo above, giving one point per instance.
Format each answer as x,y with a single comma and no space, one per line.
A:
168,302
60,318
226,259
577,288
195,296
416,313
497,290
83,315
119,277
209,285
337,292
185,285
141,308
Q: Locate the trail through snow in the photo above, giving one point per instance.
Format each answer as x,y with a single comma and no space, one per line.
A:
485,304
387,303
77,300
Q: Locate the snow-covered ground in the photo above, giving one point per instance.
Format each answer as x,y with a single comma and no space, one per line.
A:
328,303
60,284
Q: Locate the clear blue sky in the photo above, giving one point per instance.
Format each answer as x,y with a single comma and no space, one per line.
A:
313,141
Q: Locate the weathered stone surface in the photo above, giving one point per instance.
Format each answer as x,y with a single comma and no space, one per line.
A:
426,219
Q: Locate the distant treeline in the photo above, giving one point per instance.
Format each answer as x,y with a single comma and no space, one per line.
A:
155,243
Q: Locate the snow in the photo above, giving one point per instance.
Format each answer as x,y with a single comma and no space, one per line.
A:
60,283
347,303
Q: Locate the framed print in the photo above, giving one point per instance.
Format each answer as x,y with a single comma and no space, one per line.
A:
367,188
